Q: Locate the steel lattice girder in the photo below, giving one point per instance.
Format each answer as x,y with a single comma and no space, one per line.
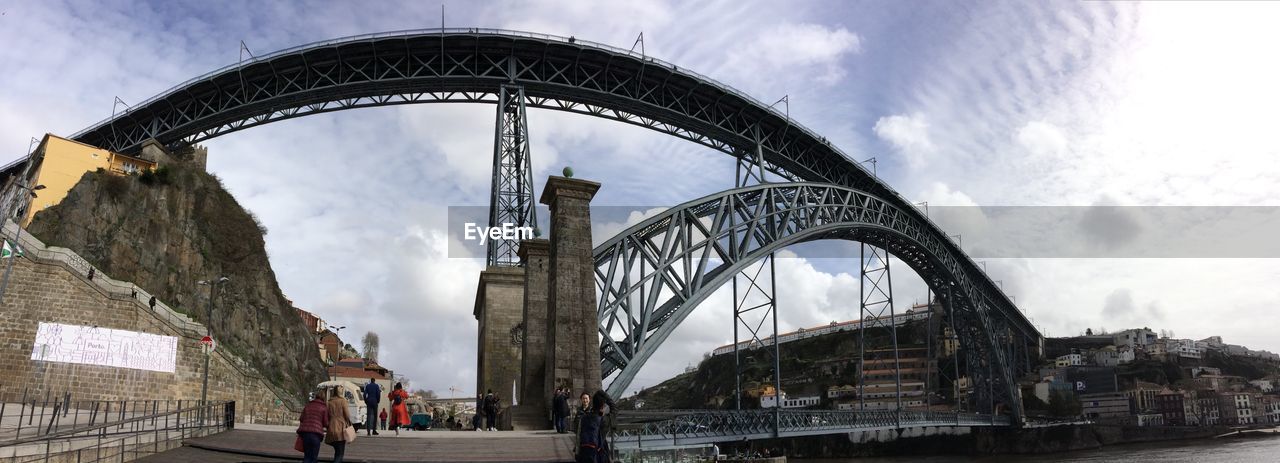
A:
652,275
511,200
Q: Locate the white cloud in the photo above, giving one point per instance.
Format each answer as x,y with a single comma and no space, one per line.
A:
1042,139
909,135
791,47
940,194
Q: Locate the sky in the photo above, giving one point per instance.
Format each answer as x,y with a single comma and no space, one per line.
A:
960,103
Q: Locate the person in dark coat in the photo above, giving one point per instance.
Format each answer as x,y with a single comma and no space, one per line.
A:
589,434
584,409
311,428
603,404
490,411
560,409
372,395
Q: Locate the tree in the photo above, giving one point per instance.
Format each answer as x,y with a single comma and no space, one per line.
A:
369,343
427,394
1063,403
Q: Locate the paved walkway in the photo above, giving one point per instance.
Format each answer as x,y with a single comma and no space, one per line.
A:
257,443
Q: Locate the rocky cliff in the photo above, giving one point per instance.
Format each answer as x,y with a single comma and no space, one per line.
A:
167,230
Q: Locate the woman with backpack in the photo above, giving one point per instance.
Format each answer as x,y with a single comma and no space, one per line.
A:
399,411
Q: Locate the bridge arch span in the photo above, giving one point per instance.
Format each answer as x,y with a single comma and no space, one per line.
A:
470,66
653,275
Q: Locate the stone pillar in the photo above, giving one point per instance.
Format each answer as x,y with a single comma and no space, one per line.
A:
573,342
499,309
155,152
533,254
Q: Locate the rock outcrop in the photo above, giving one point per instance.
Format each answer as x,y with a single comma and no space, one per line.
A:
167,230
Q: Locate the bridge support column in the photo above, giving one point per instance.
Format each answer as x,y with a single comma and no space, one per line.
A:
535,387
572,323
500,310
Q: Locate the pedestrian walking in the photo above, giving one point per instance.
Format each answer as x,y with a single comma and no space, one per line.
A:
589,438
339,421
560,409
383,415
311,426
399,412
373,395
491,410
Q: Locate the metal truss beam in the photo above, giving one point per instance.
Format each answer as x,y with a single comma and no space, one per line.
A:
512,200
757,294
876,312
652,275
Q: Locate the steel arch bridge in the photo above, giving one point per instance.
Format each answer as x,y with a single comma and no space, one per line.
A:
652,275
566,74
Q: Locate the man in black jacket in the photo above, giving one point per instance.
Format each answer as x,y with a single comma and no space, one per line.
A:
560,409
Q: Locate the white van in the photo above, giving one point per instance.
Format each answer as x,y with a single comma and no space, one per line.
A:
355,399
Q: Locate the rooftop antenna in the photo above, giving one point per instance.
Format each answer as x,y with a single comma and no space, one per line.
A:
639,41
243,50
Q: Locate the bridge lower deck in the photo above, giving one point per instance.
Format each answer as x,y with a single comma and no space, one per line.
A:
244,445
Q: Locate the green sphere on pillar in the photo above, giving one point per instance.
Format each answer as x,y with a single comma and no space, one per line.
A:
568,172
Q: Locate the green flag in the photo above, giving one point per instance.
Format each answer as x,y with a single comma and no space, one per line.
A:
8,251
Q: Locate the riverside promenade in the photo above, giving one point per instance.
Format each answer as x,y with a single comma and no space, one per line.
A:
264,443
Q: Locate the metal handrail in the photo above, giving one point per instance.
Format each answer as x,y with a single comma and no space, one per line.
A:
731,424
198,420
116,424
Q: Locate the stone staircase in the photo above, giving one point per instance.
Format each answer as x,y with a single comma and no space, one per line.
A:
528,418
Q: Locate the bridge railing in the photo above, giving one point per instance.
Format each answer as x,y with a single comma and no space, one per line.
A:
688,427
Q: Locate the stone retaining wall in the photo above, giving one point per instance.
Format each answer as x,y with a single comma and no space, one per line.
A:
50,291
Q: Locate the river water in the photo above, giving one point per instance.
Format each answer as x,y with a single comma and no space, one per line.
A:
1198,451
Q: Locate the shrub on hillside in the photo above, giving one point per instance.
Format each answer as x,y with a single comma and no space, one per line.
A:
159,176
115,186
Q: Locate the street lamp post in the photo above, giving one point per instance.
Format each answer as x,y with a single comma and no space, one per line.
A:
333,374
13,256
208,329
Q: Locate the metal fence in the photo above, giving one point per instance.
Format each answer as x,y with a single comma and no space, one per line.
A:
674,428
34,413
150,431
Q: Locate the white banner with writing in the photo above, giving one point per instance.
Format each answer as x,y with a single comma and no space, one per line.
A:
56,342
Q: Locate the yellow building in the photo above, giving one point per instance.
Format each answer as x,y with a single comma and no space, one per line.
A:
63,162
